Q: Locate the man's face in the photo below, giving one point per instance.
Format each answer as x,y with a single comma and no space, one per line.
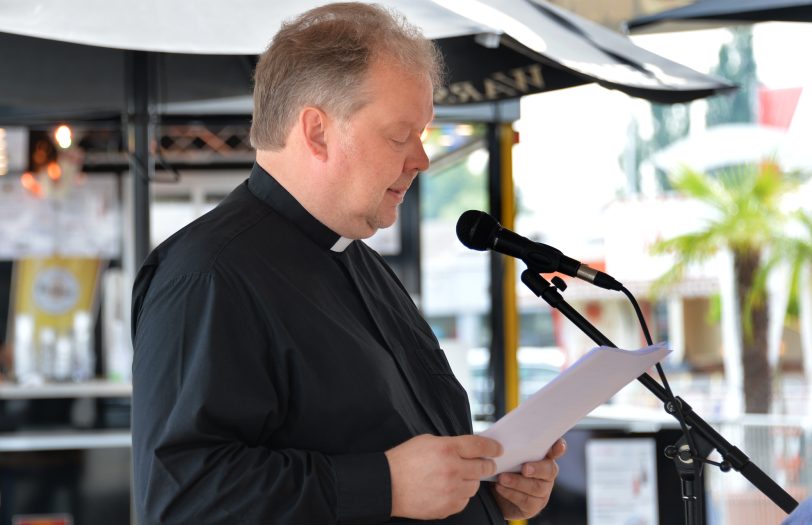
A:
380,151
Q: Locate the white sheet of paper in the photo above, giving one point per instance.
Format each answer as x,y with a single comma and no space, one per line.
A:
527,432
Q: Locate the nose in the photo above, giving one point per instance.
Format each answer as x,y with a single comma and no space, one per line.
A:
418,160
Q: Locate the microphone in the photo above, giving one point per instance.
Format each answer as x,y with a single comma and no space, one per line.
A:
479,231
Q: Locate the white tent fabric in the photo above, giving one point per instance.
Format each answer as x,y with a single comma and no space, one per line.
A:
236,27
556,48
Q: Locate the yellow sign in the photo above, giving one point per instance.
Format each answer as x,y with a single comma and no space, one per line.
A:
53,289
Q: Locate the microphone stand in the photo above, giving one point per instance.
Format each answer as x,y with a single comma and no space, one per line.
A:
703,435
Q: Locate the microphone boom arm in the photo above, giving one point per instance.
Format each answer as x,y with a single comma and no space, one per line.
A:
737,459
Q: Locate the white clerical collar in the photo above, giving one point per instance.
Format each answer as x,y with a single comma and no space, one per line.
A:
341,244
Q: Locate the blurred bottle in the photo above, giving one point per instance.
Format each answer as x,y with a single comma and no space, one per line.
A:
118,352
25,362
47,352
84,361
62,358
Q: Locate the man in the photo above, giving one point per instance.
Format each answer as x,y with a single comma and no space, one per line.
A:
282,374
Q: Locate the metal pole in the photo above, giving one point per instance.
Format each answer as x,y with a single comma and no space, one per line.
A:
139,125
497,288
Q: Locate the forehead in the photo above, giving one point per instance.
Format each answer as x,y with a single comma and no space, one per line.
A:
400,95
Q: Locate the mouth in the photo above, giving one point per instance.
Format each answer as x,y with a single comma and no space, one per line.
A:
398,192
401,186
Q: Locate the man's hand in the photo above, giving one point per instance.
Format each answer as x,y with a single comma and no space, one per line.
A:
522,496
434,477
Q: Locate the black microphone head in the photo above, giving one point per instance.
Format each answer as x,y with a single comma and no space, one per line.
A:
476,229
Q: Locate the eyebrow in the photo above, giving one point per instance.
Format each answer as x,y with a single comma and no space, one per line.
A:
409,124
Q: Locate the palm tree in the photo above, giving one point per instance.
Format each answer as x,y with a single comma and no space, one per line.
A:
747,221
795,250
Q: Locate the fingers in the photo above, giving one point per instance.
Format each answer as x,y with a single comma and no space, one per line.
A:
433,477
537,487
477,447
521,504
544,469
474,450
558,449
477,469
524,496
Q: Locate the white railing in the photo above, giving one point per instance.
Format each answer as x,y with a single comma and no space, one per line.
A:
782,447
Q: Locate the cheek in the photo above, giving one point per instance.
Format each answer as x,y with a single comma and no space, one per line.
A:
382,165
394,162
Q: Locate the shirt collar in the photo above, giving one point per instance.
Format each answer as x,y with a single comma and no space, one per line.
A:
267,189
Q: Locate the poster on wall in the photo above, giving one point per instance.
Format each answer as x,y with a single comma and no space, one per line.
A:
80,220
622,481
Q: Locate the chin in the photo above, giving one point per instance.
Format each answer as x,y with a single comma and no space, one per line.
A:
378,222
382,224
364,231
369,232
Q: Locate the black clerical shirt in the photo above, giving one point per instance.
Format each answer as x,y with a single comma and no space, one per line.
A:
274,364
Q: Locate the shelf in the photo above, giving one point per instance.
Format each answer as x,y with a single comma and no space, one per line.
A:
75,440
97,388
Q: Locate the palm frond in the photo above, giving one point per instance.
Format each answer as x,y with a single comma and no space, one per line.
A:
747,217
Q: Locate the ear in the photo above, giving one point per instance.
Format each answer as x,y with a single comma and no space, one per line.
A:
313,123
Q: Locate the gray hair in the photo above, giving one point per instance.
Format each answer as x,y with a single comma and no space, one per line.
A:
321,58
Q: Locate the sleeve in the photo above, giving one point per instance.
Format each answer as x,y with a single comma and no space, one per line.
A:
802,514
208,396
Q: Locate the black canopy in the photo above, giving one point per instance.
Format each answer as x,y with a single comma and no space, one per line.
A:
563,50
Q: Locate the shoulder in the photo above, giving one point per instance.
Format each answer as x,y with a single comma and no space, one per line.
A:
198,247
212,246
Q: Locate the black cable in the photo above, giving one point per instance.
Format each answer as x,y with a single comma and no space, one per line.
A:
677,406
639,313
